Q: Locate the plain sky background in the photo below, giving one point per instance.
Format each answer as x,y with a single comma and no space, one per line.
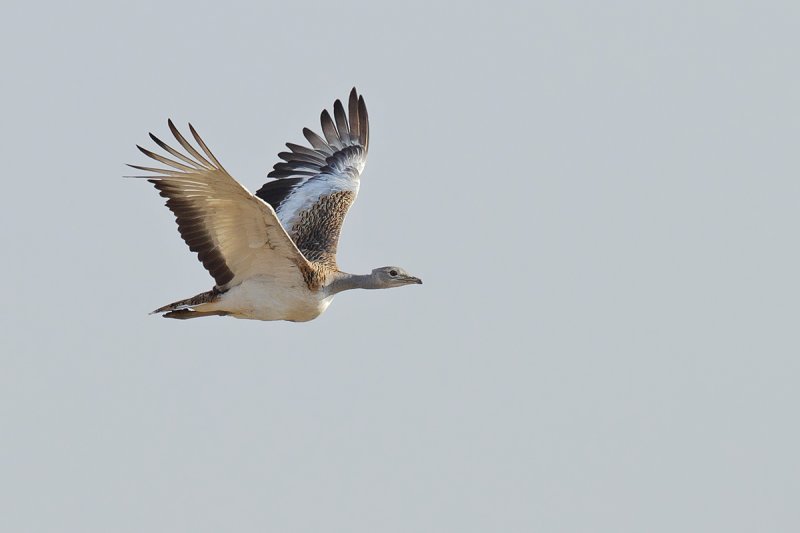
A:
602,199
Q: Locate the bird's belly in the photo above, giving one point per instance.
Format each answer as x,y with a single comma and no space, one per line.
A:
265,299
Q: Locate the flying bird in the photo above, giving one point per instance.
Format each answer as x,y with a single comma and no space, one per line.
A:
272,254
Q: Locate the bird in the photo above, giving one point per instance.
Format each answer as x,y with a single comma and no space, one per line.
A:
272,254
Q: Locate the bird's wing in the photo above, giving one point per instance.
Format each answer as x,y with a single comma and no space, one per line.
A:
236,235
316,185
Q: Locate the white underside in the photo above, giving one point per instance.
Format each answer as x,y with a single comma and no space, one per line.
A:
266,298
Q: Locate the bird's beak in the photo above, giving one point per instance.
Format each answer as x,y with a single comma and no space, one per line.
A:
415,280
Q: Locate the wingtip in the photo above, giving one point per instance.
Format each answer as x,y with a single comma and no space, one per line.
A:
173,129
145,151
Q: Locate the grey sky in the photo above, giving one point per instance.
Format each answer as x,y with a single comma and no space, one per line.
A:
602,201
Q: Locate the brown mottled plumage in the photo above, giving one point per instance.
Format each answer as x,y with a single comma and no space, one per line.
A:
316,233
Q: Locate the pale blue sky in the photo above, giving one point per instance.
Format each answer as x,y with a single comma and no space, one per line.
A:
602,199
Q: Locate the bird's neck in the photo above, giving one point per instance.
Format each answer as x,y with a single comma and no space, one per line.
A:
344,282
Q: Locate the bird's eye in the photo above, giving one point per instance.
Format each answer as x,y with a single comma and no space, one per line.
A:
393,272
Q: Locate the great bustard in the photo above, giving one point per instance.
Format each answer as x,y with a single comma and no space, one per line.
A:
272,254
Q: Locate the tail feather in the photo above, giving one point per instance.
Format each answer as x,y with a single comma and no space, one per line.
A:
189,303
186,314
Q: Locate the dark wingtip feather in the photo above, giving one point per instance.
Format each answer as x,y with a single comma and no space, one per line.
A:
309,152
316,159
363,119
203,146
187,145
316,141
139,167
297,165
278,174
171,150
329,129
341,122
352,108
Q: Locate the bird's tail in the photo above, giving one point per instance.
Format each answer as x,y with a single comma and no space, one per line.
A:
185,314
191,307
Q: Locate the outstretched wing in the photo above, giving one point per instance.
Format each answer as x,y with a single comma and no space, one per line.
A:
316,185
236,235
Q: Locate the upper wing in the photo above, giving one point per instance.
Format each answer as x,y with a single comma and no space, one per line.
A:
236,235
317,185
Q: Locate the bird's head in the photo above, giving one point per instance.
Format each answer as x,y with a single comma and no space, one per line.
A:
391,276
